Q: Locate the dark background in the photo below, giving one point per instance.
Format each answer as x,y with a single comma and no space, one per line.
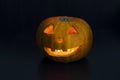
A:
20,58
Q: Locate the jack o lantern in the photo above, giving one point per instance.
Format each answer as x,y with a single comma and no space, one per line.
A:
64,39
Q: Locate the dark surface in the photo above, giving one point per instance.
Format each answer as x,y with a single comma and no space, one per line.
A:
20,58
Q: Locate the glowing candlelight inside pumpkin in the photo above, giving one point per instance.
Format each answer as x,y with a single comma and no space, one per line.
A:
64,39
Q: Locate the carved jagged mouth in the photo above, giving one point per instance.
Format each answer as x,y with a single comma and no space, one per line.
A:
60,52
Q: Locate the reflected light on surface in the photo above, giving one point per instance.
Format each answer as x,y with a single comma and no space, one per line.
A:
50,70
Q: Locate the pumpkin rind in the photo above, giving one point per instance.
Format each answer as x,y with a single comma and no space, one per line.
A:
62,39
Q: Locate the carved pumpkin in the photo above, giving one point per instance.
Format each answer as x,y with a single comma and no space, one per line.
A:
64,39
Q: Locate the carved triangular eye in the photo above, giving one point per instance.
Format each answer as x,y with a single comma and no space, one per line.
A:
72,30
49,30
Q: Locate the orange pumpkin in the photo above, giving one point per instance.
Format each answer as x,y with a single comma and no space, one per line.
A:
64,39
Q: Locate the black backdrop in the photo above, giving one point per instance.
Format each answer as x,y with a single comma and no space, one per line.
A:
20,58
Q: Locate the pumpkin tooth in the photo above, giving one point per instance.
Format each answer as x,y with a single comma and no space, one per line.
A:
52,49
69,50
64,49
58,51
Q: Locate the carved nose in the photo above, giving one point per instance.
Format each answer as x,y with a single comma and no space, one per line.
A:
60,40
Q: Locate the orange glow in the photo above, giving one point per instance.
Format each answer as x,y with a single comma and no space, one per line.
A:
72,31
60,52
60,40
49,30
